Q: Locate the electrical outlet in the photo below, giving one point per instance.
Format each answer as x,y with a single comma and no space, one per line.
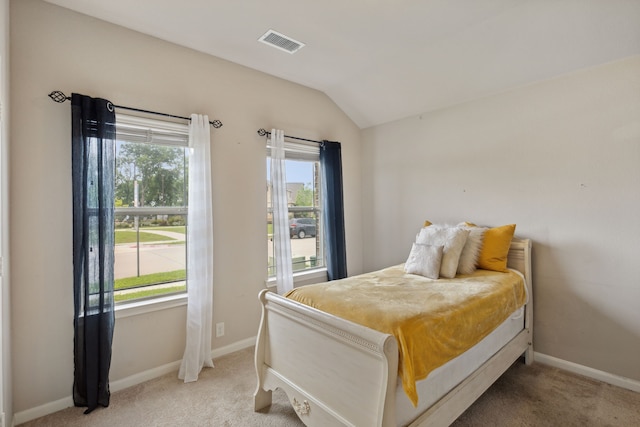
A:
219,329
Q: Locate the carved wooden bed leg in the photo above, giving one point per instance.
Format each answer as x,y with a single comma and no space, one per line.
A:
261,399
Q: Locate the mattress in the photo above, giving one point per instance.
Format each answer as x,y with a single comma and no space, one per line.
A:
444,378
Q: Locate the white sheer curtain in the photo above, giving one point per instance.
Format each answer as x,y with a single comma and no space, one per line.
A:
197,352
281,237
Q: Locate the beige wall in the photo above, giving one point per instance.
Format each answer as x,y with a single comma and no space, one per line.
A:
561,159
53,48
5,324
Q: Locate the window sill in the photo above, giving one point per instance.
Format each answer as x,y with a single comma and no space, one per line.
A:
300,279
150,305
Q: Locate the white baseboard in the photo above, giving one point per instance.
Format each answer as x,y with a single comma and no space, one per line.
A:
232,348
42,410
121,384
585,371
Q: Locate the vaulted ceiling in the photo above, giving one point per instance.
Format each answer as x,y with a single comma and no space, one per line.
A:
382,60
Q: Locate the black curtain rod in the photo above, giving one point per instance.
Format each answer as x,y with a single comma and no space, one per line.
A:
263,132
60,97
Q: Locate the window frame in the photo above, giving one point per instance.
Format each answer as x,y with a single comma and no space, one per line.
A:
306,152
142,130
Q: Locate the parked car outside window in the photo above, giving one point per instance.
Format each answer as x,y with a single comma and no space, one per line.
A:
302,227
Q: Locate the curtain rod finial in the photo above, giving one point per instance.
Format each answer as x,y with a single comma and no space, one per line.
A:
58,96
262,132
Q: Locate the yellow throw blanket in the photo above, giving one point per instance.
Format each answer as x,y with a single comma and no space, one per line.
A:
433,320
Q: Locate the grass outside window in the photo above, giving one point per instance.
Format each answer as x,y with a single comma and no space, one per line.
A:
150,279
130,236
146,284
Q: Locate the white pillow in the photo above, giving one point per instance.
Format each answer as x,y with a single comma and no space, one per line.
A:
424,260
471,250
453,240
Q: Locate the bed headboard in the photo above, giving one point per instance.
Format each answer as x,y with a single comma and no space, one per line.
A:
519,258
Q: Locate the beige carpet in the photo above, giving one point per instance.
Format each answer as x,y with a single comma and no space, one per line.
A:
223,396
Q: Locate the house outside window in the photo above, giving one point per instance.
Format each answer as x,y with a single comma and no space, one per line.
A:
150,208
304,204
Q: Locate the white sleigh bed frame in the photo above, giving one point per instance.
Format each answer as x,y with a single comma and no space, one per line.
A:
336,372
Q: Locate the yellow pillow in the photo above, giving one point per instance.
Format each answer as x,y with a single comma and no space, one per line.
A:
495,248
427,223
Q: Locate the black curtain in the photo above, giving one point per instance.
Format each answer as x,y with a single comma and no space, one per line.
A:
93,164
333,209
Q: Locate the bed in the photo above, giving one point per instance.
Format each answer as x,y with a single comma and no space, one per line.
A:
337,372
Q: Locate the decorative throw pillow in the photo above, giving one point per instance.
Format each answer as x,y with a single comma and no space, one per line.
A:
453,240
424,260
495,248
471,250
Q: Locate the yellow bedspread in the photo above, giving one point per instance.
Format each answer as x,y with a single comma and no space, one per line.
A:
433,320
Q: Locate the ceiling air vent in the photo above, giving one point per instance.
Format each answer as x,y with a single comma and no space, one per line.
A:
280,41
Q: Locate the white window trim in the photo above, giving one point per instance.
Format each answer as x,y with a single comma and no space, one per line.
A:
307,277
150,131
134,308
298,150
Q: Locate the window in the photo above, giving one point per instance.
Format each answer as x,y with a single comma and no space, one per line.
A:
151,205
304,201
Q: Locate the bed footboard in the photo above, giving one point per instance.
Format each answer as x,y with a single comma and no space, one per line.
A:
333,371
